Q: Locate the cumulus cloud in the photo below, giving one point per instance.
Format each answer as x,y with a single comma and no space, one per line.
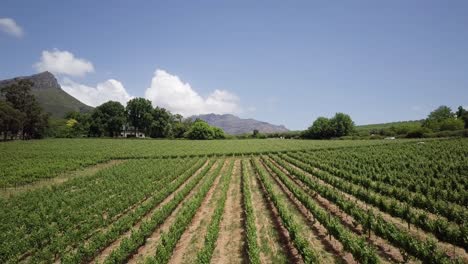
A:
63,62
170,92
9,26
94,96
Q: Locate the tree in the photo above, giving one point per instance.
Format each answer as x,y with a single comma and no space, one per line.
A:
20,98
442,119
82,125
218,133
342,125
178,118
139,113
451,124
180,127
111,115
441,113
460,111
200,130
463,115
255,133
321,128
161,126
11,120
338,126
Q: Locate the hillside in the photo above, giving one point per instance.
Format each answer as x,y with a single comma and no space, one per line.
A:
234,125
50,95
412,123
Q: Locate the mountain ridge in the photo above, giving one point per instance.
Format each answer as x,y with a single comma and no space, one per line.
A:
235,125
50,95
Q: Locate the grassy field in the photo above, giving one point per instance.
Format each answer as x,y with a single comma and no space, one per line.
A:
23,162
234,201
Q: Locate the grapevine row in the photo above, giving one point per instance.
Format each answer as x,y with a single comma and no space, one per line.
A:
250,228
441,228
205,254
90,248
307,252
169,239
453,212
424,250
44,222
138,237
352,243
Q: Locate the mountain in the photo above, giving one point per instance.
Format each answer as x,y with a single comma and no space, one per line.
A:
234,125
50,95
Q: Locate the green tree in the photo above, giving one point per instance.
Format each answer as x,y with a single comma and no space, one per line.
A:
442,119
82,125
441,113
11,120
200,130
321,128
96,124
218,133
180,127
112,117
255,133
19,96
451,124
139,113
342,125
463,115
161,126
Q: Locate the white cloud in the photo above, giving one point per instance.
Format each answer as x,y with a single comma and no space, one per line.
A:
63,62
170,92
9,26
94,96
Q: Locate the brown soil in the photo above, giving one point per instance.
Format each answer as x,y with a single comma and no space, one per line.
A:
450,249
149,248
192,239
327,248
230,244
108,250
61,178
273,248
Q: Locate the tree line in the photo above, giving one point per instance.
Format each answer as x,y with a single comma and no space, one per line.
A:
21,116
112,119
441,122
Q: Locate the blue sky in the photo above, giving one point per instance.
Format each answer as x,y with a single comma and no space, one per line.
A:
284,62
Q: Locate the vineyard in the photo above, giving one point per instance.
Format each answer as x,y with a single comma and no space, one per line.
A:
253,201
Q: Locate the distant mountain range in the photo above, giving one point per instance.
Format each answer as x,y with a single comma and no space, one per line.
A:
234,125
50,95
